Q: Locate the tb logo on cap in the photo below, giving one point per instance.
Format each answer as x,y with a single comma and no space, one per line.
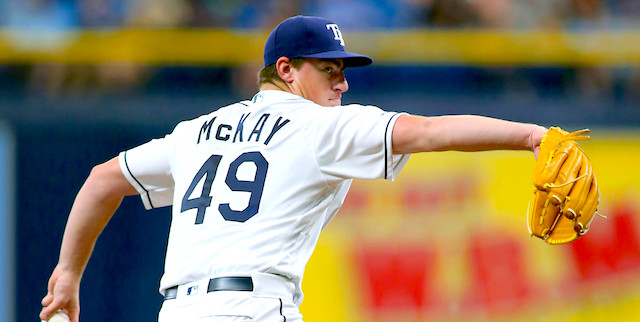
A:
337,35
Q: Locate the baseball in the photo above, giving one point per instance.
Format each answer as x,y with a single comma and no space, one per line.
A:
59,317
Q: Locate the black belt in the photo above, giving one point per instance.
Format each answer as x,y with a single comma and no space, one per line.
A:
218,284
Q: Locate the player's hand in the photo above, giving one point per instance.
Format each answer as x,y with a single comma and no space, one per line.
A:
63,294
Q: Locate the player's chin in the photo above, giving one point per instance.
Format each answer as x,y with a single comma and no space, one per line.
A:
334,102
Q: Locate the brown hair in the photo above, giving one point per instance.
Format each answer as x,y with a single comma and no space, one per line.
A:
269,74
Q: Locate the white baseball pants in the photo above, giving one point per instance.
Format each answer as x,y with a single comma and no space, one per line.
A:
270,300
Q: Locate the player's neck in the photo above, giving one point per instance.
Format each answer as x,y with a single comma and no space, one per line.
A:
274,86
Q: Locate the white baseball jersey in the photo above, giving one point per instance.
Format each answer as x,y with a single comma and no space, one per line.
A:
253,184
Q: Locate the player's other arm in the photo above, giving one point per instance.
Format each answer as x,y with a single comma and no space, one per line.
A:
94,205
412,134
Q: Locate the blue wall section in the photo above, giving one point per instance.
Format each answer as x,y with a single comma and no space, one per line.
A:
121,280
7,223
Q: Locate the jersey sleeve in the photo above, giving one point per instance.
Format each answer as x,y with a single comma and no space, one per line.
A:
355,142
148,169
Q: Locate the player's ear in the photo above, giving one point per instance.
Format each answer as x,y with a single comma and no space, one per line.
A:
284,69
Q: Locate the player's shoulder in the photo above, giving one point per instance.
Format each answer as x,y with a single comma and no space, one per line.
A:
363,108
357,111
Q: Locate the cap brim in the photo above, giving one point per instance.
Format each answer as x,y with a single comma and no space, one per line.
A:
350,59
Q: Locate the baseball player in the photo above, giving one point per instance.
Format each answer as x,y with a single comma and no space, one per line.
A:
254,183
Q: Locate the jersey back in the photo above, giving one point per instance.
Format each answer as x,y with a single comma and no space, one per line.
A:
253,184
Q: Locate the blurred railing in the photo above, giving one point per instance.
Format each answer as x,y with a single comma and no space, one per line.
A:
225,47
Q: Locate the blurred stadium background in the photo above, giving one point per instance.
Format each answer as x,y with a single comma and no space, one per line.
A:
81,80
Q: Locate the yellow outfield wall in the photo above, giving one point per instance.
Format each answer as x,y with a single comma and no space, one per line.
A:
448,241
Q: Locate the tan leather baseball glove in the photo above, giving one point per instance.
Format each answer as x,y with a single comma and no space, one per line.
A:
566,194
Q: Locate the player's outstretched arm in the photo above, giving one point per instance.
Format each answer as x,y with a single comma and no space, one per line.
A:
94,205
412,134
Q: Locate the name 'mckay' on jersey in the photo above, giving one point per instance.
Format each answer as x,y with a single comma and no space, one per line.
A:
226,132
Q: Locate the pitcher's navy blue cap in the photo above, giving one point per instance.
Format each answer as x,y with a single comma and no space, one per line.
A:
309,37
